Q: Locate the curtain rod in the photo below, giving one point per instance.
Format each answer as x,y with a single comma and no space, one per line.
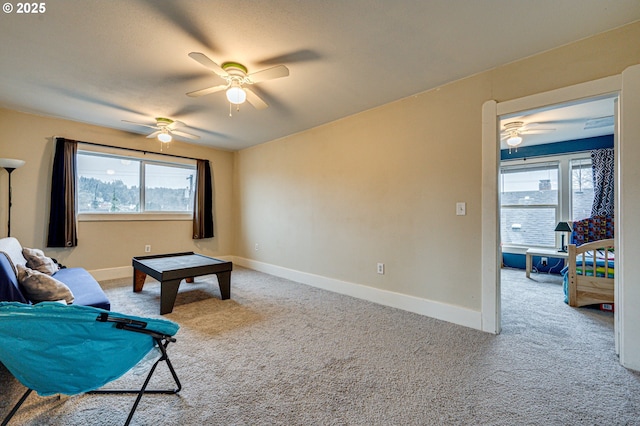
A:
134,149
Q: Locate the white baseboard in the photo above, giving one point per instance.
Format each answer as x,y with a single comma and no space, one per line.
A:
437,310
112,273
127,271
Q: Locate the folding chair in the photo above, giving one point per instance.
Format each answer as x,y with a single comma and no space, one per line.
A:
53,348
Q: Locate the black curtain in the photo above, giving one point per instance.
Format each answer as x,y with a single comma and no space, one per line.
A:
203,202
62,214
603,165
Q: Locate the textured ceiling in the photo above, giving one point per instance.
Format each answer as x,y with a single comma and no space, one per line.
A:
102,62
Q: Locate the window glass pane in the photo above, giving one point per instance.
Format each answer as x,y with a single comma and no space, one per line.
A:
169,188
528,226
529,186
108,184
581,188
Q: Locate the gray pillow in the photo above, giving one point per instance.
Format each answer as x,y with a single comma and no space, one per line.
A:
41,287
38,261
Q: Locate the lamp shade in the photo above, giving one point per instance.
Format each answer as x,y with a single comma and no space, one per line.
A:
164,137
10,163
236,95
563,227
514,141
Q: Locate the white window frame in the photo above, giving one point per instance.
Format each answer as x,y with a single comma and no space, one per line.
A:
147,158
528,164
564,211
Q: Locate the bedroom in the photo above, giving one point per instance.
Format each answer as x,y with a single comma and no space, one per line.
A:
549,159
357,190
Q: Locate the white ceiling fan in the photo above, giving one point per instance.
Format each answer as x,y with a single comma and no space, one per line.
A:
236,80
512,132
165,128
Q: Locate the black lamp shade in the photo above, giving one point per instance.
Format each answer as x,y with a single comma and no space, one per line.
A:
563,227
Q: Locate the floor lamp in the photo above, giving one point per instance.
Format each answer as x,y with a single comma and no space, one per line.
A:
10,165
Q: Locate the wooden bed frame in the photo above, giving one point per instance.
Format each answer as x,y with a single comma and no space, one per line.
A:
586,289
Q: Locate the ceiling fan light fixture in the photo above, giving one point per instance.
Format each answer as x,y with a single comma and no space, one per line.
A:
164,137
236,95
514,140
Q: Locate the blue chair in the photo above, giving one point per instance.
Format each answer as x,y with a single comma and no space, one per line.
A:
83,348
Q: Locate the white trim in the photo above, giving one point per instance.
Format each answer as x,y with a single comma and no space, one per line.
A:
627,233
491,257
120,272
132,217
112,273
437,310
601,87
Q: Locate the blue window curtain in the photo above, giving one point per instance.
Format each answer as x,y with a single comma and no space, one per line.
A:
603,166
62,214
203,202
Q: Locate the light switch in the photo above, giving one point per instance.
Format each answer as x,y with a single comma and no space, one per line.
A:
461,209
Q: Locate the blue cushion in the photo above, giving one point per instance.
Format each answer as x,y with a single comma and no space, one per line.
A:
9,286
86,290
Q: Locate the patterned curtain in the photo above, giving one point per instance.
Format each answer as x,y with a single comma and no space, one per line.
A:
203,202
62,214
603,165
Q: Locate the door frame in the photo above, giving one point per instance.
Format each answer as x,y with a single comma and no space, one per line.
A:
627,204
491,112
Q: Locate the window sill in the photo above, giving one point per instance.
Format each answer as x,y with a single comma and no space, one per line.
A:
133,217
514,249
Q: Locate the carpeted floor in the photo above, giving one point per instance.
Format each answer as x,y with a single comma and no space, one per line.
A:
282,353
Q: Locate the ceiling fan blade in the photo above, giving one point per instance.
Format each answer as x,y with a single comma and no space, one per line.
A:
208,63
535,131
175,124
184,134
255,100
140,124
269,74
207,91
154,134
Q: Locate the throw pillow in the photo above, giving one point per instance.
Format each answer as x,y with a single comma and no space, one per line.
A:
38,261
40,287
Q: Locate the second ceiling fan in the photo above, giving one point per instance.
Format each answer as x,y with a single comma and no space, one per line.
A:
236,80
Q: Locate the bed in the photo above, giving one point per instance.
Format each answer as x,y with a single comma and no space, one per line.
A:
589,274
584,283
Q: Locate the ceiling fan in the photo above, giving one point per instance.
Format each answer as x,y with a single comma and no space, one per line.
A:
237,79
165,128
513,130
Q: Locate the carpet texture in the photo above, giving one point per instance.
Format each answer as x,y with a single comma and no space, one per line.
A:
282,353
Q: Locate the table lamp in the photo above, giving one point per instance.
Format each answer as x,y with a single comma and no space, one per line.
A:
10,164
563,227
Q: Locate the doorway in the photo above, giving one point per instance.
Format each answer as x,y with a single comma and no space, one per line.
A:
491,112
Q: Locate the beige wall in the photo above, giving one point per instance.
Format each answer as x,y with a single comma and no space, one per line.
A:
381,186
101,245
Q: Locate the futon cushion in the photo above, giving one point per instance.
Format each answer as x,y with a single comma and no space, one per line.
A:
40,287
36,260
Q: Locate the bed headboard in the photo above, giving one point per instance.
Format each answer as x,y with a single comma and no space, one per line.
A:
592,229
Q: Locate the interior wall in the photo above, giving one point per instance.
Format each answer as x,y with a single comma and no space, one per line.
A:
101,245
381,186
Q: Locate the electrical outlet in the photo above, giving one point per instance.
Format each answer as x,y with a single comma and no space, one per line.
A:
380,269
147,248
257,247
545,261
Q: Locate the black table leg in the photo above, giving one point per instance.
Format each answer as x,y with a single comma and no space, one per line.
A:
224,281
168,293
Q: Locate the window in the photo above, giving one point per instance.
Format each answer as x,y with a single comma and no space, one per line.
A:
119,184
529,200
581,188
